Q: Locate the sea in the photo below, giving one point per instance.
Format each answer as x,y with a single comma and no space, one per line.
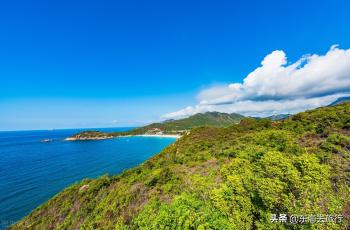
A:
32,171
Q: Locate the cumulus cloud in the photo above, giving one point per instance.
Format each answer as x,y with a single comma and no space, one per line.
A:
277,87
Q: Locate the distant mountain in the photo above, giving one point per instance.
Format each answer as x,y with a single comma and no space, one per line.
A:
276,117
340,100
214,119
279,117
209,119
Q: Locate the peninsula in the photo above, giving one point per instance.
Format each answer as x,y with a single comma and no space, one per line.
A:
169,128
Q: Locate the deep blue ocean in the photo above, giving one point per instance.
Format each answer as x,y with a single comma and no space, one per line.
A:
31,172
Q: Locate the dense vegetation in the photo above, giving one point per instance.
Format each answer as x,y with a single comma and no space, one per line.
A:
221,178
93,134
214,119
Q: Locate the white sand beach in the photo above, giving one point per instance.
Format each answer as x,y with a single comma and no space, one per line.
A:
154,135
160,135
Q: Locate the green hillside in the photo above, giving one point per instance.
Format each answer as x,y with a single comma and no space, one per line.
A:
214,119
221,178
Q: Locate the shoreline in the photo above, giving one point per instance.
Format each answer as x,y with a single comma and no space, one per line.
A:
158,135
137,135
87,138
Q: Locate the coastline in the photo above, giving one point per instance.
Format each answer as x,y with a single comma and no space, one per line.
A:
87,138
93,163
110,137
158,135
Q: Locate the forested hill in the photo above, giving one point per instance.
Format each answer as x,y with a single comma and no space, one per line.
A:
222,178
214,119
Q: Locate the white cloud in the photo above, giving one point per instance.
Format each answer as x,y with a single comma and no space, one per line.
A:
275,87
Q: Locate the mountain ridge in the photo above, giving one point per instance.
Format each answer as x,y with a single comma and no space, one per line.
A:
340,100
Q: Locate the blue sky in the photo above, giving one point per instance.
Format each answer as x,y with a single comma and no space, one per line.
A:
67,64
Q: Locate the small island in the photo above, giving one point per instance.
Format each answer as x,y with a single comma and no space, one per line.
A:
89,135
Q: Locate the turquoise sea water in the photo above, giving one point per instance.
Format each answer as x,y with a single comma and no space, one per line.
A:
31,172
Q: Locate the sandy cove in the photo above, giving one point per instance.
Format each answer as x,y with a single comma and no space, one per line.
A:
154,135
109,137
